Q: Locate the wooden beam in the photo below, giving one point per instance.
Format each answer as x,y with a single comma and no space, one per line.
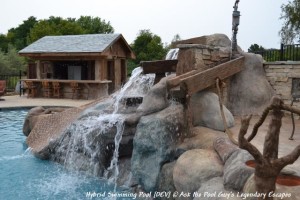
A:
207,78
174,82
159,66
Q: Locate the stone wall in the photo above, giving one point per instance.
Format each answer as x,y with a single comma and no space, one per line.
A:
281,75
199,57
202,57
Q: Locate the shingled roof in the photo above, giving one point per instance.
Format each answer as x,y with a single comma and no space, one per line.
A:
90,43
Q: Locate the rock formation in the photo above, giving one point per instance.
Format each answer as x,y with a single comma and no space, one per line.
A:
206,111
249,91
150,139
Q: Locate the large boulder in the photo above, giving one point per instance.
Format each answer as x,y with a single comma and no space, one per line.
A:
224,148
156,99
236,172
206,111
154,144
203,138
35,114
165,182
31,119
90,143
47,133
194,168
249,91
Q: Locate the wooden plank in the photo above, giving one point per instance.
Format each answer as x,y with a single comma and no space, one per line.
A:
205,79
174,82
159,66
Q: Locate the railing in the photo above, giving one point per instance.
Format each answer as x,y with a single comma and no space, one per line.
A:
285,53
11,81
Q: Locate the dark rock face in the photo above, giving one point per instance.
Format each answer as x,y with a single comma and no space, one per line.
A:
91,144
249,91
236,172
165,182
155,143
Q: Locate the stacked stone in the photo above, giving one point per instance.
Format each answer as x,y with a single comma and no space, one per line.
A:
281,75
199,57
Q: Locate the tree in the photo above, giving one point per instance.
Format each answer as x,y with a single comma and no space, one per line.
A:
3,43
18,36
255,48
11,62
54,26
148,46
69,26
291,27
94,25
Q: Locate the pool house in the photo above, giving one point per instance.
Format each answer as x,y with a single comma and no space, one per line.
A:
76,66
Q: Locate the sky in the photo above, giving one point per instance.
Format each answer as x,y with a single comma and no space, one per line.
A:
259,23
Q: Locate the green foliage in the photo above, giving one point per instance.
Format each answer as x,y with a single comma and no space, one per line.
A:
18,36
54,26
255,48
32,29
3,63
291,26
94,25
11,62
147,47
3,43
70,26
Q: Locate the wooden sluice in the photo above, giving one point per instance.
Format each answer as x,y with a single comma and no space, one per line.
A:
159,68
195,81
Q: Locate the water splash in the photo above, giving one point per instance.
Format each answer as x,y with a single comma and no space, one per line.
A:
172,54
114,168
137,86
84,146
26,154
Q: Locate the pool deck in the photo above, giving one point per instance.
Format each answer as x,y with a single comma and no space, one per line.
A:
16,101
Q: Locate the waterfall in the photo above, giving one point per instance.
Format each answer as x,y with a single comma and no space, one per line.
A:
84,147
172,54
138,85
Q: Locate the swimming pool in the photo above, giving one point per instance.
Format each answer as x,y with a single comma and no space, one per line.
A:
25,177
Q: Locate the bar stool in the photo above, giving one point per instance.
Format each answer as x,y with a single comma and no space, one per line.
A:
56,89
32,90
47,89
76,90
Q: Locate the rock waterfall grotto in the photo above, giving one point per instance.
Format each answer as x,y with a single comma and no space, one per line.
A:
171,131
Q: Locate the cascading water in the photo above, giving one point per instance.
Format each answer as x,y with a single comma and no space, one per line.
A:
172,54
84,146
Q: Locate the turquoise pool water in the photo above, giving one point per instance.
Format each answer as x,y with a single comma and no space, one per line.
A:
25,177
